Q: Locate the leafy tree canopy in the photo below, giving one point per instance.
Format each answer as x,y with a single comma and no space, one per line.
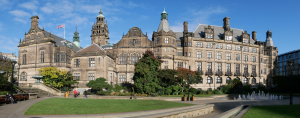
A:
57,78
182,77
99,83
145,73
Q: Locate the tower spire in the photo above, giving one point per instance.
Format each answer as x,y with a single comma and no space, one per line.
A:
100,13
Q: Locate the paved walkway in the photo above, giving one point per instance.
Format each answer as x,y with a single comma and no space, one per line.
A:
17,110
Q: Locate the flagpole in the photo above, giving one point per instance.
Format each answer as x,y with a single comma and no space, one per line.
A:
64,31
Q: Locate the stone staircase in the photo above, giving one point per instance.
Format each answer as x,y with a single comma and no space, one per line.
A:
40,93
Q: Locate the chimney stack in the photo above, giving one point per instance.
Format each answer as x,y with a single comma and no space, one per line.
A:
226,23
34,22
185,25
254,35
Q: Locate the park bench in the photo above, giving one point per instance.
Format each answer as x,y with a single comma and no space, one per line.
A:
4,100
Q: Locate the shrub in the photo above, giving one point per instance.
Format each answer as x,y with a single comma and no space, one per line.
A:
247,88
101,92
193,90
217,91
153,95
175,93
200,91
168,91
209,92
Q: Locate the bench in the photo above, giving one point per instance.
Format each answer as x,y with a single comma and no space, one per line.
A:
4,100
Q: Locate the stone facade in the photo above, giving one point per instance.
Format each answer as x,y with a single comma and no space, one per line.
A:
219,53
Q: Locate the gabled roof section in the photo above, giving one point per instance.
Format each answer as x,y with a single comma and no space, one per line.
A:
60,41
92,48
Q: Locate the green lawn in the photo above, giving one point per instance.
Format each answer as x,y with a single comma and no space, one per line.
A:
58,106
4,92
191,95
278,111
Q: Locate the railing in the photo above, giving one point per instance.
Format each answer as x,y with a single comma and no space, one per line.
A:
209,72
246,74
219,73
228,73
237,74
253,74
200,71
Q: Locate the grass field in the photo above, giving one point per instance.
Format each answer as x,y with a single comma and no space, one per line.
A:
278,111
64,106
191,95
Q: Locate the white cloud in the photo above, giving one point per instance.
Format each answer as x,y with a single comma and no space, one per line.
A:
8,44
5,4
78,20
20,20
62,7
30,5
20,13
47,8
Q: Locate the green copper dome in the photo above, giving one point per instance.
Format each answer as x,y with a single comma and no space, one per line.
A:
100,13
164,11
164,15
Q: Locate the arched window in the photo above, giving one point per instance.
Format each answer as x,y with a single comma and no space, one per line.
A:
23,76
253,81
219,79
209,80
245,80
228,79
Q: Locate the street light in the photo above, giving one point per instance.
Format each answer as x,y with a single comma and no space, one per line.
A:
290,63
188,98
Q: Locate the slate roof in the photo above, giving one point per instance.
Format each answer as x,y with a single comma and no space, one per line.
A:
218,33
164,25
269,42
92,48
59,41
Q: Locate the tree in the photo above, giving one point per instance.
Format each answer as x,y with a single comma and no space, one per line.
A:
4,84
182,77
167,77
57,78
99,83
145,74
234,86
6,65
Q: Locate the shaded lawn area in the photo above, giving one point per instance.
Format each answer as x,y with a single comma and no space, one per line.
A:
191,95
60,106
4,92
273,111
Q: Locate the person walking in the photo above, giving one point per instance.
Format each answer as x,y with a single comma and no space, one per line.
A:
75,93
85,94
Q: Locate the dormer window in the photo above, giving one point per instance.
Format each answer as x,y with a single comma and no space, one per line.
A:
209,36
209,32
245,40
228,36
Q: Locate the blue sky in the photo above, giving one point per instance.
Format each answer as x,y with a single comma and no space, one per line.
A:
282,17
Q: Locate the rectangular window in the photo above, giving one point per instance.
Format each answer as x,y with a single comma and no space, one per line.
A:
99,60
198,54
246,49
190,44
122,78
157,41
76,76
209,66
228,67
237,57
219,46
189,54
166,67
209,36
253,50
42,57
178,44
219,67
166,40
199,66
180,65
166,62
254,59
245,57
253,69
245,40
237,68
237,48
209,55
63,57
110,77
91,62
228,56
131,78
76,63
228,38
245,68
24,59
219,56
179,53
265,71
166,49
228,47
91,76
56,57
209,45
199,44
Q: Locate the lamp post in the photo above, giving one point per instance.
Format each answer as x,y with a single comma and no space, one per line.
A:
12,77
188,98
290,63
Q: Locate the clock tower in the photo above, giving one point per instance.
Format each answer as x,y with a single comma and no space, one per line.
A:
100,33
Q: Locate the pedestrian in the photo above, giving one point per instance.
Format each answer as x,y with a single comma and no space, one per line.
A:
75,93
7,96
85,94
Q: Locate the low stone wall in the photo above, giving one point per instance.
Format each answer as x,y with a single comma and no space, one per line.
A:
151,98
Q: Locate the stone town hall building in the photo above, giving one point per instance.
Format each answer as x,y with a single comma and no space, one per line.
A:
219,53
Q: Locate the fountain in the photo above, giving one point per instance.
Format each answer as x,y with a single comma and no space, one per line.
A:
259,96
